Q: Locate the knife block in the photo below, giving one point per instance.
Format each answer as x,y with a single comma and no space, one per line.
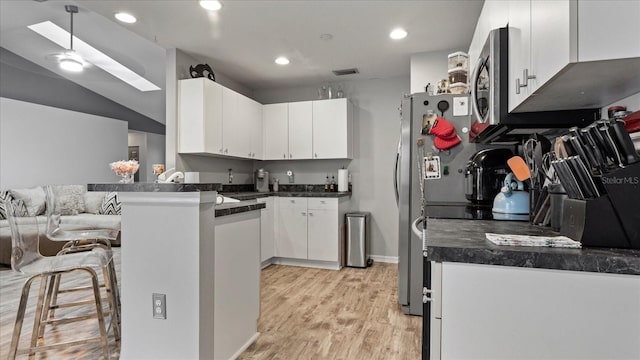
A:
593,223
623,188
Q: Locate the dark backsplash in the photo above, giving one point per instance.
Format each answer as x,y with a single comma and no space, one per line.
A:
233,188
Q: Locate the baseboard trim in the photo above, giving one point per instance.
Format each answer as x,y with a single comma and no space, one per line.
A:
329,265
384,259
245,346
266,263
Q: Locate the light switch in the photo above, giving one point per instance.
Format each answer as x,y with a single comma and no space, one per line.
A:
460,106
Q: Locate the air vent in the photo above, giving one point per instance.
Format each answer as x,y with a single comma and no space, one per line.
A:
346,72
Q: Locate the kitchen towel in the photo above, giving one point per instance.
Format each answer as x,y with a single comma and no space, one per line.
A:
528,240
343,180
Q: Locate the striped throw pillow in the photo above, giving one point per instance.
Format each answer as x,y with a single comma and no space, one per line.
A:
110,204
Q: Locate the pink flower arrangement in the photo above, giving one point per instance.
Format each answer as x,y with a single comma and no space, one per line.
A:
125,167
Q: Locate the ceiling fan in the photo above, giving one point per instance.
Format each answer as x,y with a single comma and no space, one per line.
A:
70,60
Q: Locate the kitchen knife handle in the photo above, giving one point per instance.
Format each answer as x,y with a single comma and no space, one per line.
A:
625,143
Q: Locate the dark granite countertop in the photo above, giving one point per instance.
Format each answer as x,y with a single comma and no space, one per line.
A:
154,187
238,207
464,241
256,195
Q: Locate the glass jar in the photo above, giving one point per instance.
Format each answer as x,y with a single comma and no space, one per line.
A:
458,60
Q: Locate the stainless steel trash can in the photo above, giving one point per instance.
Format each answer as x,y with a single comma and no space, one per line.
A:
358,224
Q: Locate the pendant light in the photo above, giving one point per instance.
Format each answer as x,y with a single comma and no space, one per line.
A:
70,60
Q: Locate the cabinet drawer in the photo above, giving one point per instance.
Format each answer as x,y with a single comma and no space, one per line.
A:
322,204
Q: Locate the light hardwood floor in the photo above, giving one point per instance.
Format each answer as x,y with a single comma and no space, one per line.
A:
305,314
324,314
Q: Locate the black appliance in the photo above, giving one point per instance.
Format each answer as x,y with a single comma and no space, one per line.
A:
459,211
491,120
484,174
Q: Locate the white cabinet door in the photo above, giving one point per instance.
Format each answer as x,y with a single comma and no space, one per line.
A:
300,130
519,50
267,235
331,129
502,312
550,39
235,129
322,235
276,131
618,41
229,116
257,149
199,116
236,282
292,228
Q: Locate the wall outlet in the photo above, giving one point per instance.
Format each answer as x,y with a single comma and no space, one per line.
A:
159,306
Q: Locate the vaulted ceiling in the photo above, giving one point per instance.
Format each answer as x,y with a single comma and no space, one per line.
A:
242,39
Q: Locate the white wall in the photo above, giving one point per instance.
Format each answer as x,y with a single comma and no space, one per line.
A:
429,67
152,151
376,131
632,103
42,145
155,153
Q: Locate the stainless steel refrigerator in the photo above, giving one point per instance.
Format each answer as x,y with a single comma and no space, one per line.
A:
449,189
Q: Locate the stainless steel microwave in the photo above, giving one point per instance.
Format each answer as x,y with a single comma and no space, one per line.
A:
490,117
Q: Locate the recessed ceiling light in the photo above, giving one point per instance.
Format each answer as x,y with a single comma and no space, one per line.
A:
212,5
282,60
398,34
92,55
126,17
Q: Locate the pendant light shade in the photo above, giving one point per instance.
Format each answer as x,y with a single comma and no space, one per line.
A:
70,60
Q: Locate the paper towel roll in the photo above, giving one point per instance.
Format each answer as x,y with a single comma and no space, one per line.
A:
343,180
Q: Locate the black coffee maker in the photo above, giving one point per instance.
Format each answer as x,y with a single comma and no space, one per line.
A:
484,174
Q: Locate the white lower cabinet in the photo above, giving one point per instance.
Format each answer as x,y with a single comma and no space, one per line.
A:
267,227
502,312
310,229
292,228
236,283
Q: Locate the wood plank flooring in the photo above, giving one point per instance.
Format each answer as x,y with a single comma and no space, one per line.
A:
305,314
324,314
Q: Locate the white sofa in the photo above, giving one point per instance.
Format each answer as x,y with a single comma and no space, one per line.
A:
89,217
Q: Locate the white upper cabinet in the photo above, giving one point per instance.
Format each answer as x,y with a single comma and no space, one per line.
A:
519,49
214,120
199,116
332,129
276,131
300,130
556,53
255,123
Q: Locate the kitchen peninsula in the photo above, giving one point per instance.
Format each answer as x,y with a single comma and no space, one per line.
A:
508,302
207,262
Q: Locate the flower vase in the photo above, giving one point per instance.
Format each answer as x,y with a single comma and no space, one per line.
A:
127,178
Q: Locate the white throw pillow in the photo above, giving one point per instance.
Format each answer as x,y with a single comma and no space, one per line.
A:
69,199
33,198
93,200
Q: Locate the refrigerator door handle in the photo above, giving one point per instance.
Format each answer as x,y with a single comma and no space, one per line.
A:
395,180
395,172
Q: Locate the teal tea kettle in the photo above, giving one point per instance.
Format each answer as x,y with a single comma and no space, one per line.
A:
512,203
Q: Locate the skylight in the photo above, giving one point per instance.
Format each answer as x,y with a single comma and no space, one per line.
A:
92,55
